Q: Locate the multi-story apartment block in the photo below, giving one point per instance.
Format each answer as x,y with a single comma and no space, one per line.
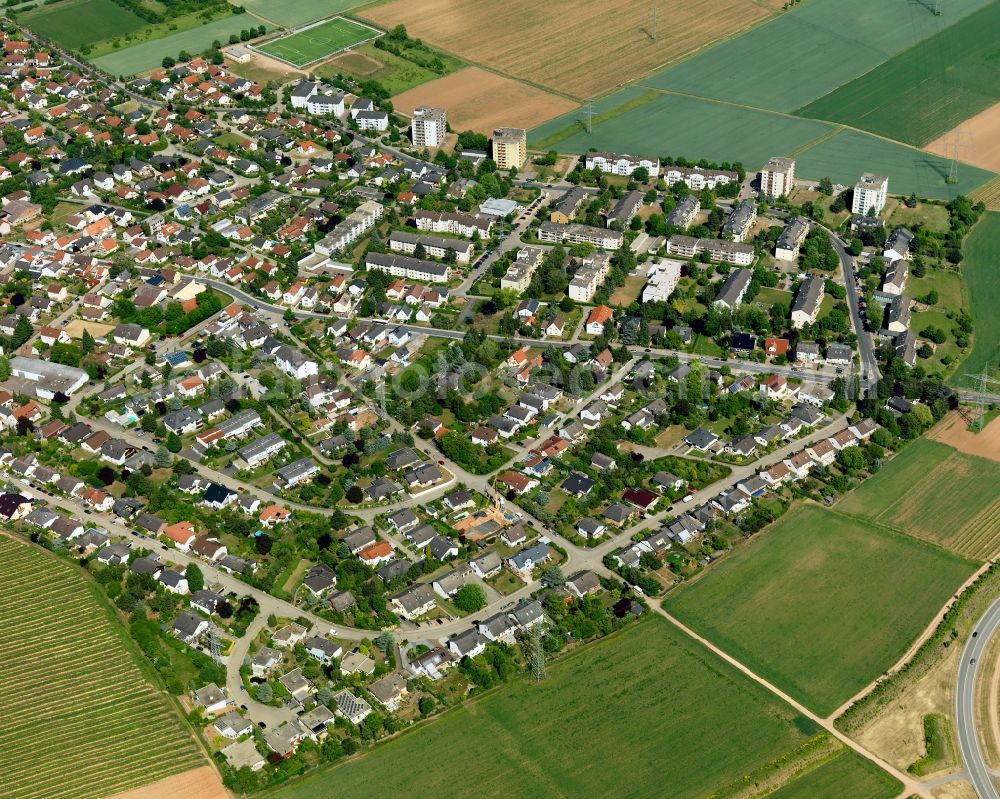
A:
555,233
777,178
428,126
519,274
510,148
616,164
730,252
434,246
870,194
456,223
698,178
807,301
589,277
740,221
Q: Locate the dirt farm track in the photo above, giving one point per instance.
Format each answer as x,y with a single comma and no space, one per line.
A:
481,100
581,47
199,783
953,430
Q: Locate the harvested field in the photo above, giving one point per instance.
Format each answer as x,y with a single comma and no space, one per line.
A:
479,100
199,783
356,64
954,431
978,140
582,47
76,327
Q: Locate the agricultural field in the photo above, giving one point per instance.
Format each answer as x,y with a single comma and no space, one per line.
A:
926,90
936,493
74,24
149,55
394,73
581,47
292,13
978,142
481,101
849,774
80,716
319,41
525,739
979,269
835,42
818,604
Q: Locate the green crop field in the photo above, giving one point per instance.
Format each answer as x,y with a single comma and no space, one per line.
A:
927,90
982,254
664,711
909,169
808,51
291,13
935,492
848,774
149,55
319,41
76,23
80,718
821,604
637,121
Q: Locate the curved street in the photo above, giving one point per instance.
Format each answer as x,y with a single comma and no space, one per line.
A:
965,704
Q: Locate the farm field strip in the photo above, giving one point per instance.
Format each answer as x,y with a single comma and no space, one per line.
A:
936,493
818,605
77,23
291,13
848,774
835,42
524,738
149,55
79,715
979,269
927,89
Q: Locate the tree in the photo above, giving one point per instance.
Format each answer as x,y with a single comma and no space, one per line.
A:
87,341
196,580
826,186
162,458
386,641
263,544
553,577
426,705
4,368
470,598
264,693
355,495
174,443
22,332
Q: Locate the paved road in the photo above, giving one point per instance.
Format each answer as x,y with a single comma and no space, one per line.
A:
866,347
965,704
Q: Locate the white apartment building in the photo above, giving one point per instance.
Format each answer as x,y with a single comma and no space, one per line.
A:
615,164
697,178
662,277
870,194
589,277
350,228
791,238
407,267
456,223
730,252
556,233
428,126
519,274
434,246
326,104
777,178
807,301
510,148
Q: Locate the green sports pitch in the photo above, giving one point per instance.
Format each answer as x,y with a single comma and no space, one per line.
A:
317,42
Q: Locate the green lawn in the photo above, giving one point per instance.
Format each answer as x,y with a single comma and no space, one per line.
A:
932,215
81,719
809,51
627,716
149,55
291,13
821,604
935,492
926,90
848,774
921,321
319,41
396,74
76,23
982,254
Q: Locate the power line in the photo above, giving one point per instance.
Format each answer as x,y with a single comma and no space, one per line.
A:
981,382
590,115
653,17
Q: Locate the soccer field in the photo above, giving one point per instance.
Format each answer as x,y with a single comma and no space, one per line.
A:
319,41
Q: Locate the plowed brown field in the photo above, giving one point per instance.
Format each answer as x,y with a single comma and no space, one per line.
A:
479,100
582,47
